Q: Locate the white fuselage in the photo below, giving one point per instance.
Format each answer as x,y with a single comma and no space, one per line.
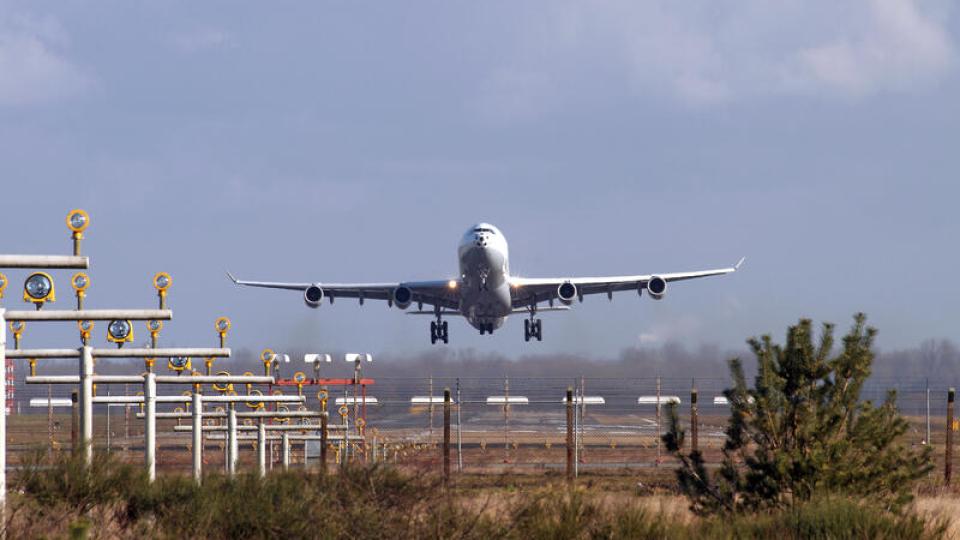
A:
485,295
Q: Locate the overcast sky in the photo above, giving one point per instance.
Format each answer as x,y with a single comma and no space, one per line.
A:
342,141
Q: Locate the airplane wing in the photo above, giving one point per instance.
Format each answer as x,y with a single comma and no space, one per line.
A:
531,291
434,293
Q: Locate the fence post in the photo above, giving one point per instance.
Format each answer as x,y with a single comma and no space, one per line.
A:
446,435
324,416
570,434
74,420
50,418
658,421
694,430
459,430
926,440
948,462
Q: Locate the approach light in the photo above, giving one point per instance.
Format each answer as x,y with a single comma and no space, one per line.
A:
86,327
120,332
154,327
3,284
80,282
222,326
223,387
162,282
38,289
266,356
255,405
77,222
178,363
17,328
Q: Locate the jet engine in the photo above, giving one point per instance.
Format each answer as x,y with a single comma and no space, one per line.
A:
566,292
313,296
402,296
657,287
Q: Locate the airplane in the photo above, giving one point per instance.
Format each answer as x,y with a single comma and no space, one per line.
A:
485,293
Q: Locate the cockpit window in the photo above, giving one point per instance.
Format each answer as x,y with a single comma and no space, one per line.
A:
481,229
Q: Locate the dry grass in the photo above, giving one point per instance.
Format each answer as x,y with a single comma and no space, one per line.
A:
946,507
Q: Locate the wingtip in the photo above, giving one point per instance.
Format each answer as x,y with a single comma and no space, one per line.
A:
740,262
233,279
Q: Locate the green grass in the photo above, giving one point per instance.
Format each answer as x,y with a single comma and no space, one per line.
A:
62,498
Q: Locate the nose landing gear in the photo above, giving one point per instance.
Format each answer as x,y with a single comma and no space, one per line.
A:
532,328
439,331
486,328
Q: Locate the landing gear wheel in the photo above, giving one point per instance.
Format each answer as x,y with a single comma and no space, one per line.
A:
433,333
538,329
526,329
444,333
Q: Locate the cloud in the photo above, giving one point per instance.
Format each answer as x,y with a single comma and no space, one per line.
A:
703,52
33,66
202,39
898,47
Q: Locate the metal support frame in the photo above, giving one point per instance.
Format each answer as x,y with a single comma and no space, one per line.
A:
324,429
150,425
285,438
197,412
262,448
232,447
86,405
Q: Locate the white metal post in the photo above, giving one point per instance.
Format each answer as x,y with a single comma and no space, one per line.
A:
150,428
86,404
3,417
285,445
232,446
197,436
262,448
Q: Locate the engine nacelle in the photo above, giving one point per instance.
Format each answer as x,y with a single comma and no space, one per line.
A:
566,292
402,297
313,296
657,287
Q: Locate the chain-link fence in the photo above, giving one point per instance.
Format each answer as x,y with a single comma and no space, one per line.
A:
497,424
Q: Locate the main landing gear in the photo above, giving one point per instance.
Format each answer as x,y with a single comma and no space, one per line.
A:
438,331
532,328
486,328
